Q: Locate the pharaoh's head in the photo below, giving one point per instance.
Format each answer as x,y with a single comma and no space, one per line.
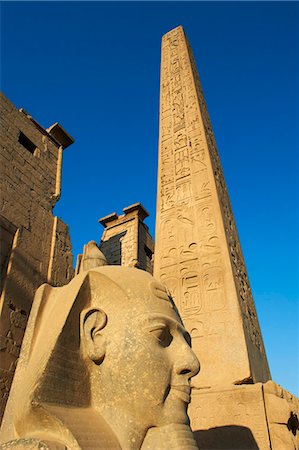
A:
112,345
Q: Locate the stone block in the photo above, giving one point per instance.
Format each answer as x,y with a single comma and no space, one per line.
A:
260,416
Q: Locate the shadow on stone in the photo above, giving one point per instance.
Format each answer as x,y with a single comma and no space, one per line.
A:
112,249
230,437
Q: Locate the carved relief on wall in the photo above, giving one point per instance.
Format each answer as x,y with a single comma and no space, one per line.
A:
191,103
12,330
18,318
187,154
191,298
175,82
174,42
167,197
166,128
169,256
194,263
183,192
175,65
214,293
178,101
165,98
166,169
186,236
180,140
237,259
169,251
206,219
196,329
182,165
209,246
167,230
201,185
166,149
197,154
192,121
179,121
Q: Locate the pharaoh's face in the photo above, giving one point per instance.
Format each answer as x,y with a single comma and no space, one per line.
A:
148,362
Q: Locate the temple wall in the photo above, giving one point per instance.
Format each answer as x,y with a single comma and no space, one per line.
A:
35,245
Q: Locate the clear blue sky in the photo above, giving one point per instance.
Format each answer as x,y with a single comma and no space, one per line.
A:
94,67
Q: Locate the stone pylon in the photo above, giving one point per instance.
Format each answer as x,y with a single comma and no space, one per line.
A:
198,254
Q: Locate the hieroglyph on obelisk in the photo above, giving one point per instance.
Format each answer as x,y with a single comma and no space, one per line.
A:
198,255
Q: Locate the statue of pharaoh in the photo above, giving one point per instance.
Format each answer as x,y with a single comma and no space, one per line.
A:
106,363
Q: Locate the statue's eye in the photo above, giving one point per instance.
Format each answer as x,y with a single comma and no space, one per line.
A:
163,335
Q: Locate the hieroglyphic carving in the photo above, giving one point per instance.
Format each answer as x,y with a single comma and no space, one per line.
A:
183,192
183,171
167,197
213,288
198,255
237,259
191,298
10,346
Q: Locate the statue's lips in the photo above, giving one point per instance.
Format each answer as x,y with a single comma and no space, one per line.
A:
182,391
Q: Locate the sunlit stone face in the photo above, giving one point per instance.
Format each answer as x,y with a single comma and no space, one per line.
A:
148,363
111,371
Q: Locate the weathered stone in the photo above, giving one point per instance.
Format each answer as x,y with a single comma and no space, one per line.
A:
259,416
126,240
35,245
197,252
198,256
282,409
91,257
104,360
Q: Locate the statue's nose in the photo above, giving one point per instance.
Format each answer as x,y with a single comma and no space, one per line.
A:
187,362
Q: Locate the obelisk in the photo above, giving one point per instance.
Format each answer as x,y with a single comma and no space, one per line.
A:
198,254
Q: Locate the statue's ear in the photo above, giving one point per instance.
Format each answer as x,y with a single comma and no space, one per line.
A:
94,320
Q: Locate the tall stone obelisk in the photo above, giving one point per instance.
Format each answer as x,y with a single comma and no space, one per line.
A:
198,254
